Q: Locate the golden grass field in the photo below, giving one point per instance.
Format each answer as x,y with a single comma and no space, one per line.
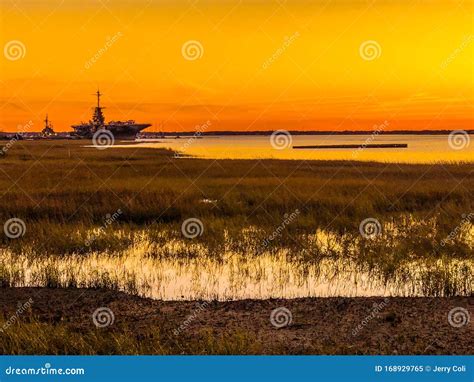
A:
112,219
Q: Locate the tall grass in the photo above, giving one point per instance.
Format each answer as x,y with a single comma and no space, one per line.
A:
36,338
64,193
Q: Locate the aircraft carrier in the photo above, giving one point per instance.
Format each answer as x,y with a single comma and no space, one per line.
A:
120,129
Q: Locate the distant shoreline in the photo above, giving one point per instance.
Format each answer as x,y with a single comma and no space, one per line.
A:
62,134
313,132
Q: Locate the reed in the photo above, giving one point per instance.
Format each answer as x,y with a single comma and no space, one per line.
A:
82,206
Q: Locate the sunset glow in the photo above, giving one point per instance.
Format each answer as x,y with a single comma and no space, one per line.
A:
297,65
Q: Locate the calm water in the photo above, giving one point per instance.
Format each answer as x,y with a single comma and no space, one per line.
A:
421,148
157,270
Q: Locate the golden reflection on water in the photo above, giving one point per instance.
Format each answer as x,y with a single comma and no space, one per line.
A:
265,276
142,270
421,148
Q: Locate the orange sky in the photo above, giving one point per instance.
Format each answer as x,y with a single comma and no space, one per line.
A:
262,66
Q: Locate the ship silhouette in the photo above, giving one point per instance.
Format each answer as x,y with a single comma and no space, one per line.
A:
48,130
121,129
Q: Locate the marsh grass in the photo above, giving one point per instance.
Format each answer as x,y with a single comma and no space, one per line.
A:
64,193
31,336
163,265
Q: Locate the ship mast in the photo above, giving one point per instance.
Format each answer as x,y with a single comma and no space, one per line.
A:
48,128
98,120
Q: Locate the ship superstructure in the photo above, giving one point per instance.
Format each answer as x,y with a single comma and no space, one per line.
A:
48,129
122,129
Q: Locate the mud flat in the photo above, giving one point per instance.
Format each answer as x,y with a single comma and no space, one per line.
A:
61,321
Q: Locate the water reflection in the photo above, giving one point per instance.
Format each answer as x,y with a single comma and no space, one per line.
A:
158,271
421,148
